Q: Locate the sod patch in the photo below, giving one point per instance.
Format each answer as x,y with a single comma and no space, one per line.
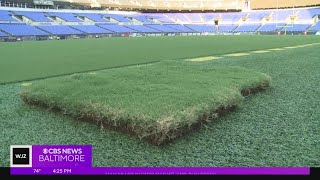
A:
156,102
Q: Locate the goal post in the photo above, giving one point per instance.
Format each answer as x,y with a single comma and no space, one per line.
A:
289,22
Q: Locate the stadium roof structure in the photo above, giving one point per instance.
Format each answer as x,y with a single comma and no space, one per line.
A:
276,4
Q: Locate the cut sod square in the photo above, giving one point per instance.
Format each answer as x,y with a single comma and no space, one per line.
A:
156,102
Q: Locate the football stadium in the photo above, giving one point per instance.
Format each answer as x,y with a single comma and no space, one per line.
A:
163,83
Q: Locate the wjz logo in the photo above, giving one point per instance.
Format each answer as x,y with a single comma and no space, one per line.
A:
20,156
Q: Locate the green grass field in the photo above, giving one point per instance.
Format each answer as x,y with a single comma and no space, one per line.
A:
34,60
277,127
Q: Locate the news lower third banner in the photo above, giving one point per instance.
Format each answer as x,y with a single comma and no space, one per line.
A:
77,160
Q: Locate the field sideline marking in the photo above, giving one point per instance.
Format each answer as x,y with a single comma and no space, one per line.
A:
209,58
237,54
291,47
260,52
26,84
276,49
201,59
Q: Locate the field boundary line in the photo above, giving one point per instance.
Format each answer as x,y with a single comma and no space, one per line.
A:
247,53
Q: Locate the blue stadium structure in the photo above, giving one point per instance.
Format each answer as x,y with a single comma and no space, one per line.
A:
143,29
60,30
117,28
316,27
257,16
271,27
247,28
91,29
163,28
34,22
34,16
227,27
21,30
93,17
201,28
3,34
68,17
298,27
182,28
6,16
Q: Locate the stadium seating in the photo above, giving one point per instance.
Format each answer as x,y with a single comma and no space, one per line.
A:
21,30
247,28
117,28
117,17
3,34
74,22
163,28
258,16
282,15
68,17
298,27
180,27
94,17
142,28
271,27
194,17
91,29
232,17
60,30
6,16
210,17
316,27
34,16
160,17
178,17
201,28
306,14
142,18
227,27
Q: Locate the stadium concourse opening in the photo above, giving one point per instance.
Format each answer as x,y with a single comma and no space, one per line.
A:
148,83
